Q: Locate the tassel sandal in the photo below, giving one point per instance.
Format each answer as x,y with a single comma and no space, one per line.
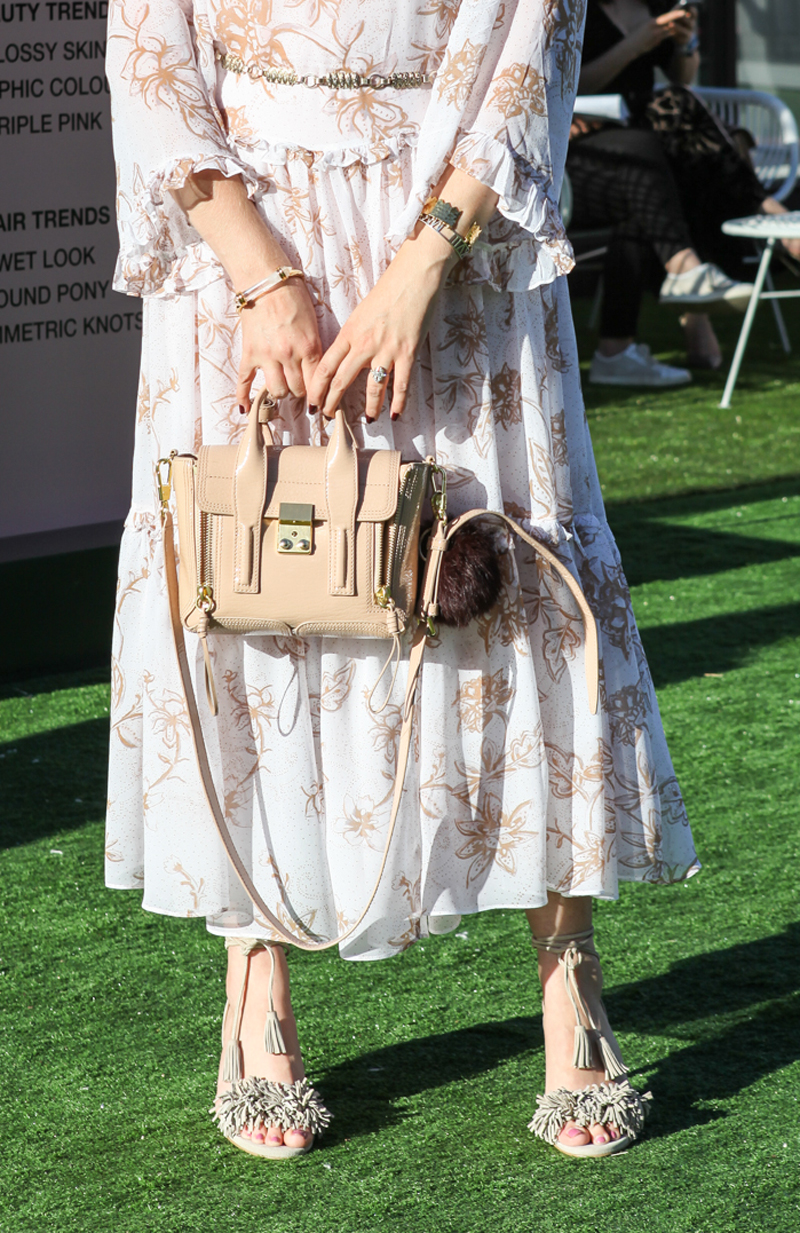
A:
250,1101
612,1103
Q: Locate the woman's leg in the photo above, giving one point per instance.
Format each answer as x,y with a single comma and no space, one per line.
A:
254,970
622,176
559,918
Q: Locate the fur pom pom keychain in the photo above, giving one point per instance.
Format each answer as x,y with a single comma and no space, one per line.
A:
469,576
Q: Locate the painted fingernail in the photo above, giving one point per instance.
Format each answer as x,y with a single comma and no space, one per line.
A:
395,416
312,409
242,409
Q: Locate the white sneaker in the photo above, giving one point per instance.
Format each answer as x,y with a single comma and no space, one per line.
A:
635,366
705,286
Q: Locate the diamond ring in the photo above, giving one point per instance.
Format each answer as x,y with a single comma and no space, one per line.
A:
378,374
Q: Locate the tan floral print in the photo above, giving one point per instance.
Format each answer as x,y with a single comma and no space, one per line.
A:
454,80
512,787
519,90
493,837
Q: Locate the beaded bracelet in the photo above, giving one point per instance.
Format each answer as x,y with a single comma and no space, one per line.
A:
244,299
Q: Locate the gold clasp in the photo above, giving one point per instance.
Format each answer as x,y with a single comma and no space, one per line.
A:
205,599
383,596
164,481
439,495
295,528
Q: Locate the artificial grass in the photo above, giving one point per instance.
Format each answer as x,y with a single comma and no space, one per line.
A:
431,1061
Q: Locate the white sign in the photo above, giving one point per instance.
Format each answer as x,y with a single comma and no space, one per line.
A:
69,345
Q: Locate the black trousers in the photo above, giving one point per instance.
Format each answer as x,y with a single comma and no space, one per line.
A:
625,178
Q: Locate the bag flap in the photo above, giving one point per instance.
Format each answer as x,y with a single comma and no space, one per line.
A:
297,473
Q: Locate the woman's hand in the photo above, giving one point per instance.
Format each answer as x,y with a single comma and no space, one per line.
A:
279,330
280,337
686,29
678,24
386,328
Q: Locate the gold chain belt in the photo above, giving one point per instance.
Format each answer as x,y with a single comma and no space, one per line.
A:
340,79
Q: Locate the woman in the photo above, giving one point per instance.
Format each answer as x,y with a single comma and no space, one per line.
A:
667,182
517,796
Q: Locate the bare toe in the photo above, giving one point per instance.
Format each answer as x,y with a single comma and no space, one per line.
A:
297,1138
599,1134
574,1136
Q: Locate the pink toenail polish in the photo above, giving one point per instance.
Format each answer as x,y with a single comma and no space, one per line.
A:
573,1131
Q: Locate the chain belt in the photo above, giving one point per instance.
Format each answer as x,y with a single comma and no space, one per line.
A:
340,79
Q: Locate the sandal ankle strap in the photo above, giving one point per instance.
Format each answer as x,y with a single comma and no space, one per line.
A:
233,1064
589,1038
560,942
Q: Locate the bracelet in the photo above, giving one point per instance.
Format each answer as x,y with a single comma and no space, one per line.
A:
443,217
244,299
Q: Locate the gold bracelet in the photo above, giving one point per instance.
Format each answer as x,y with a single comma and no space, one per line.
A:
443,217
245,299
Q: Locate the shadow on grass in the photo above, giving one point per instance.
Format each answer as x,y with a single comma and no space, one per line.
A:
742,1000
367,1092
715,644
53,781
654,550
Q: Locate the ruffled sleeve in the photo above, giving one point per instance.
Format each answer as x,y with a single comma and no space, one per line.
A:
165,127
500,111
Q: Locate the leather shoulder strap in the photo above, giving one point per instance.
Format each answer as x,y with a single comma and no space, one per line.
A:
207,780
440,537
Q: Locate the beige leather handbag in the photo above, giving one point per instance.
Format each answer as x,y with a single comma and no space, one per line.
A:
311,540
301,540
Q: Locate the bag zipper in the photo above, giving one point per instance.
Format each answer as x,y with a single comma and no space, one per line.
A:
409,498
205,574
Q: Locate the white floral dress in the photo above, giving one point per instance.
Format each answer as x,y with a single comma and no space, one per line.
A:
513,786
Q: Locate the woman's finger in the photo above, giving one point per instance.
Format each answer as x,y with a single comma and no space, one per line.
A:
309,368
326,370
243,386
376,390
293,374
275,379
402,380
340,382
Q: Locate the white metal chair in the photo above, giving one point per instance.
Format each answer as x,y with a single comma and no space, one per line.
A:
775,156
772,126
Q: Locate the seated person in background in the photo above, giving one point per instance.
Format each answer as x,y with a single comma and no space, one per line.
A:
667,183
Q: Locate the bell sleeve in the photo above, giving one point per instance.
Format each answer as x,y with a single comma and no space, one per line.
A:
165,127
501,109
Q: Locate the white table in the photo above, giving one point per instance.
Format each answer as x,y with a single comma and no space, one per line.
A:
771,228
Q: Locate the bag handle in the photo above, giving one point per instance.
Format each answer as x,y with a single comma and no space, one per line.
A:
440,537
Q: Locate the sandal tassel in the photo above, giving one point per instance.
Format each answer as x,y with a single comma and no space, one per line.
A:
615,1068
273,1036
583,1055
232,1069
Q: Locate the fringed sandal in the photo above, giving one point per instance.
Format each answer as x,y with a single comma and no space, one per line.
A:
612,1103
250,1101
